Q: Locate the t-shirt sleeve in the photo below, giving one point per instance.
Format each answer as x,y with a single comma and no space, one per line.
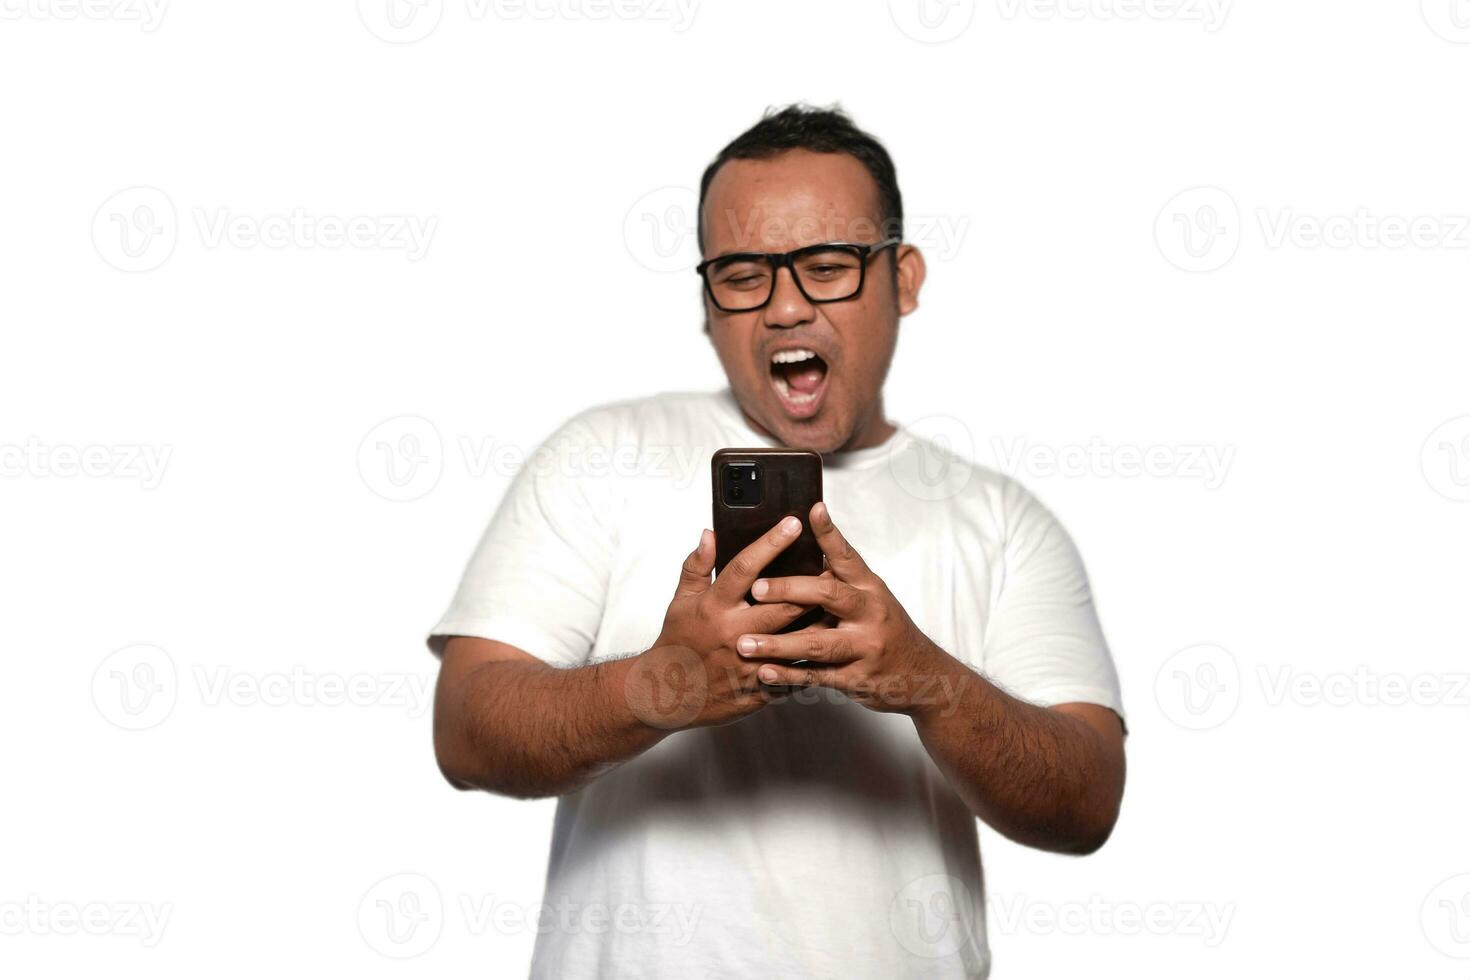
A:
1043,641
538,578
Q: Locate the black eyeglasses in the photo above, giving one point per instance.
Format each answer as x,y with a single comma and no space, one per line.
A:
824,273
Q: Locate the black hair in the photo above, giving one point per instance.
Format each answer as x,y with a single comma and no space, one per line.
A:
804,127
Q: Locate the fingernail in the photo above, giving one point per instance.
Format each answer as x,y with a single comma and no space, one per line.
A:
704,536
819,511
746,645
790,525
760,588
767,674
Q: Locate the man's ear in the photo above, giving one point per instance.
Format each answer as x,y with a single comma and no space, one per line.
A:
911,272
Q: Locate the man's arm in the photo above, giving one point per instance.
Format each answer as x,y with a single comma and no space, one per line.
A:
506,722
1050,778
1047,777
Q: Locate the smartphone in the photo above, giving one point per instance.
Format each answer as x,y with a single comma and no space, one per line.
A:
753,490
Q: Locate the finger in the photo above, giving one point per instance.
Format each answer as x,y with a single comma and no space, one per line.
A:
781,675
825,623
694,576
842,557
832,594
734,579
769,617
819,646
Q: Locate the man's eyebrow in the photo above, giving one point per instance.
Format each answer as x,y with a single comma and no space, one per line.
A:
726,255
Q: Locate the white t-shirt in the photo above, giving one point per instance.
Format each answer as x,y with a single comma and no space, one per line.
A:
814,838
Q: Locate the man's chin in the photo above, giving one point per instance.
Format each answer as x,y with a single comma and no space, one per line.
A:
818,434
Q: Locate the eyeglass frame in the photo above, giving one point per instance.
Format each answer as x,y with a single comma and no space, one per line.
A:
786,260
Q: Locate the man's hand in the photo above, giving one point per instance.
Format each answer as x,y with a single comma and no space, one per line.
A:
874,654
1046,777
693,676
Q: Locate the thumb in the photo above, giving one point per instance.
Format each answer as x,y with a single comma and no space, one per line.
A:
694,576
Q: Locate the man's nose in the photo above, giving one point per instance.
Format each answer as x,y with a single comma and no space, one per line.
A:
788,307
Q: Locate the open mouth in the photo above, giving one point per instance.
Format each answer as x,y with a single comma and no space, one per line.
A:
799,376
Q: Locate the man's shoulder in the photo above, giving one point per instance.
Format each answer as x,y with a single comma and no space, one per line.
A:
932,469
666,415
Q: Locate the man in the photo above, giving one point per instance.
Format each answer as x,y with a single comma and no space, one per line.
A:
712,823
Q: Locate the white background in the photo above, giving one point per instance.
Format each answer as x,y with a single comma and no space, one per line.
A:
213,710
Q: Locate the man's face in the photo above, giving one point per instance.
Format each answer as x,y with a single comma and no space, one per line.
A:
799,198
